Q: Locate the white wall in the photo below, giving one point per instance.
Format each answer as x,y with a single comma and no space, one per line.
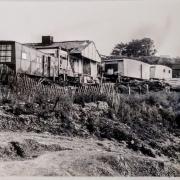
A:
90,52
145,71
131,68
93,69
161,72
31,61
136,69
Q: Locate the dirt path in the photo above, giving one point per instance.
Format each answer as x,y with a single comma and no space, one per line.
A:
31,154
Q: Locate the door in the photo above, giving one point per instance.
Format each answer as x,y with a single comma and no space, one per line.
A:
49,67
141,73
43,65
152,72
86,67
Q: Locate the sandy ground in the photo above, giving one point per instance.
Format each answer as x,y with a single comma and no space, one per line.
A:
31,154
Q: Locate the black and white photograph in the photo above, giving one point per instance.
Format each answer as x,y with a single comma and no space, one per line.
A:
90,88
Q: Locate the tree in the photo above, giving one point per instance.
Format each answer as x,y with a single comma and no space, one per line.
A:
135,48
119,49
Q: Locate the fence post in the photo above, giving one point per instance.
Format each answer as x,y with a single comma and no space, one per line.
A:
167,89
101,88
129,90
113,97
140,89
147,88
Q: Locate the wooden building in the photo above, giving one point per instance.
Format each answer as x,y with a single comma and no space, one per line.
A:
127,68
135,69
160,72
18,58
75,58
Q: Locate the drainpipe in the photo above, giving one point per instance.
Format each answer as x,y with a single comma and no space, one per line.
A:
58,56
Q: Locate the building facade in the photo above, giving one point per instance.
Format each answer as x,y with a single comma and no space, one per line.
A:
75,58
19,58
135,69
160,72
127,68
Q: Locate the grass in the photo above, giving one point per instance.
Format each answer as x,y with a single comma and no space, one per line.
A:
142,122
159,108
126,107
153,108
141,119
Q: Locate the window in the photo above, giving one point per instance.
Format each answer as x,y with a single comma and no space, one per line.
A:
60,62
24,55
8,53
39,60
164,70
8,59
4,47
9,47
169,71
5,53
63,57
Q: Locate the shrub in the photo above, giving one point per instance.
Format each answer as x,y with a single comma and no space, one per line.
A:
81,98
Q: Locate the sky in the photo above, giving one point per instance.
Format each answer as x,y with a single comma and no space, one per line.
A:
105,22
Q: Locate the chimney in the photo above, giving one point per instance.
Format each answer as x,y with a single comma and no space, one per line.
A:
47,40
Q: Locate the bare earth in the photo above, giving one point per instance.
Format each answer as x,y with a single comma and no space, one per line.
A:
32,154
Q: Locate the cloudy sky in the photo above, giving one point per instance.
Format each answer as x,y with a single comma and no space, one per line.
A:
104,22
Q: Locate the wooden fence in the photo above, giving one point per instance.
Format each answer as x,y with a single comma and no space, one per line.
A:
30,88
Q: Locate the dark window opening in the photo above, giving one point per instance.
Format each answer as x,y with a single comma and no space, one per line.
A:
111,68
5,53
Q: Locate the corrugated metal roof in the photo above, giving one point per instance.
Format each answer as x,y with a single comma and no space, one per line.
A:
72,46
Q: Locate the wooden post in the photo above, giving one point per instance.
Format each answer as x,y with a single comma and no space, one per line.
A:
101,82
64,75
119,78
167,89
68,56
129,89
147,88
140,89
53,74
102,78
114,96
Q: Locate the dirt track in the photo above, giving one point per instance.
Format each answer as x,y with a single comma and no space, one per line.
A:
31,154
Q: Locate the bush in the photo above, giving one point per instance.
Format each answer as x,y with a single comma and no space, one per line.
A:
81,98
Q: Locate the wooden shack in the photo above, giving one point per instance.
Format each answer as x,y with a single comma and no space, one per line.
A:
127,68
19,58
75,58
